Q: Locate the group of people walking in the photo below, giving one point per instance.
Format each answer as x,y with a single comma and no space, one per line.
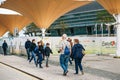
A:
68,52
37,52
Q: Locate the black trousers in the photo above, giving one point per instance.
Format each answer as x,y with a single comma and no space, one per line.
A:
5,51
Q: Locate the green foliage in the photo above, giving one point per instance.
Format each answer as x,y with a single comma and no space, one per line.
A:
104,17
10,35
31,28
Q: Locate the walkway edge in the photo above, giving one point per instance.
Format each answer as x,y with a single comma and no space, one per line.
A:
22,71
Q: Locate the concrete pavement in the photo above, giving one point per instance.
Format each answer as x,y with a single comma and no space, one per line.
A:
8,73
96,68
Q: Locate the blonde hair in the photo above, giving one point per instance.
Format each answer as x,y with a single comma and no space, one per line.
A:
64,36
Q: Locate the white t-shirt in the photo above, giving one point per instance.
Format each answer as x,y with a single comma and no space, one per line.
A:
63,44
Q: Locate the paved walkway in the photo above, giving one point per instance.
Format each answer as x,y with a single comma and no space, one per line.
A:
96,68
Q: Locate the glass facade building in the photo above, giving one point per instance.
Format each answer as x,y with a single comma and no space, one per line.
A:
81,21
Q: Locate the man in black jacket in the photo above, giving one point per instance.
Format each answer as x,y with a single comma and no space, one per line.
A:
33,55
27,47
5,46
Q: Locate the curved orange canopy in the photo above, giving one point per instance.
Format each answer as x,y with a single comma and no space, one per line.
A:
13,21
3,30
112,6
43,12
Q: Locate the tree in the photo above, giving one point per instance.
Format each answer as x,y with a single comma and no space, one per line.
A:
63,26
103,17
32,29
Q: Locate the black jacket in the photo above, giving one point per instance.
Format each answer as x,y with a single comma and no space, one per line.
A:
32,46
4,45
27,44
77,51
47,51
38,50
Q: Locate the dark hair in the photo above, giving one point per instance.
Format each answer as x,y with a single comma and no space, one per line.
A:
47,43
76,40
33,40
38,42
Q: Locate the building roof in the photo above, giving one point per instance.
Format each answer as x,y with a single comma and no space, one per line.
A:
91,6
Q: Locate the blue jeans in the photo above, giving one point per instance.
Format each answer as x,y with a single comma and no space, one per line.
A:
78,64
47,58
33,56
40,58
28,53
64,62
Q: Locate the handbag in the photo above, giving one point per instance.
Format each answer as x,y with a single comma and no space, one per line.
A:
83,52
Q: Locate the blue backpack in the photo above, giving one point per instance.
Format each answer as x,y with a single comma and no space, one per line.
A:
67,51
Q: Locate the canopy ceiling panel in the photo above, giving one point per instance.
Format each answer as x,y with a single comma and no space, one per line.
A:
43,12
3,30
13,21
113,6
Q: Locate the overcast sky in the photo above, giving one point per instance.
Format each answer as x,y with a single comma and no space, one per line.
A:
7,11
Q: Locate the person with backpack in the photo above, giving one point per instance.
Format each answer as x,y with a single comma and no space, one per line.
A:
47,53
65,50
38,52
32,48
78,54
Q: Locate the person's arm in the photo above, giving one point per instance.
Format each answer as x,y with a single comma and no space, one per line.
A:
60,47
73,51
83,50
2,45
25,45
6,45
45,50
83,47
69,47
51,51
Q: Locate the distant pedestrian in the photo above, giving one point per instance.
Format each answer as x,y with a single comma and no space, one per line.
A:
38,52
27,47
65,53
47,53
77,51
5,46
33,55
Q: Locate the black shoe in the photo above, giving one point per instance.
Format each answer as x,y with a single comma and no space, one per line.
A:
65,73
41,67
